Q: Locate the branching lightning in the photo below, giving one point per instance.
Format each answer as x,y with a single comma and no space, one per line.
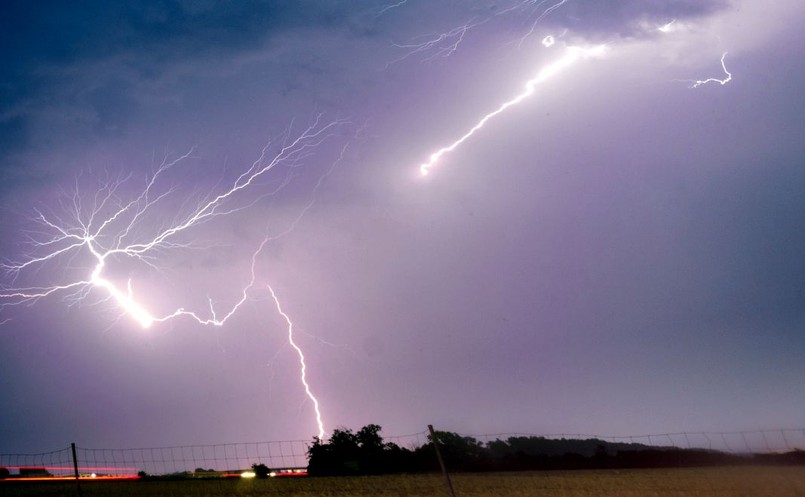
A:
104,228
440,45
542,15
573,54
447,42
123,232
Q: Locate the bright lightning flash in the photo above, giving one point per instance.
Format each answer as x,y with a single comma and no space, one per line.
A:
572,54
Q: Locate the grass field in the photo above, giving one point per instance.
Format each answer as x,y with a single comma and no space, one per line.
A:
720,482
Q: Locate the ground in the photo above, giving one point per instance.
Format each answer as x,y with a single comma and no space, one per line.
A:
700,482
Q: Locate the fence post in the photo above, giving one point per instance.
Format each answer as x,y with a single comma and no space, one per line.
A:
435,441
75,470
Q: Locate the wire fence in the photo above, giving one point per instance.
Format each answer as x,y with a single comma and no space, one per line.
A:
231,459
56,463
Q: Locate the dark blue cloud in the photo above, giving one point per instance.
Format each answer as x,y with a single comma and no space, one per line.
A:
756,223
58,32
92,62
13,135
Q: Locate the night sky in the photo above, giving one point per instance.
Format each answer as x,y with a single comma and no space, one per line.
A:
619,254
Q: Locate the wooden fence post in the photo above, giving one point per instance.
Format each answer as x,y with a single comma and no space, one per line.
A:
75,470
435,441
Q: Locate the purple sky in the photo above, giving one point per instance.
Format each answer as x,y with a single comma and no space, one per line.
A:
619,254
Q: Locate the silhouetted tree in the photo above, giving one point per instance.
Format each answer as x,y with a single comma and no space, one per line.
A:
336,457
369,439
461,453
260,470
362,453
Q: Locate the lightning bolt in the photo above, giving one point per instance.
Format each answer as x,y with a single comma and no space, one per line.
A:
572,54
103,228
695,83
302,364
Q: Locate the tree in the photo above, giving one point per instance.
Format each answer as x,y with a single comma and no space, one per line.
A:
260,470
336,457
459,452
362,453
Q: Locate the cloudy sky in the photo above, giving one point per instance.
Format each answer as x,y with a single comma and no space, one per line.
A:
618,254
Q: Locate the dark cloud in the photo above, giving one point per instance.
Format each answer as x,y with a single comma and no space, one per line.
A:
114,107
66,32
755,223
622,17
13,135
91,67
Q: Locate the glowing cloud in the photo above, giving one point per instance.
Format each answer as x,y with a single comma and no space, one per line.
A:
668,27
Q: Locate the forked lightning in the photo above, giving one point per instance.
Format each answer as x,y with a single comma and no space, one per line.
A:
103,229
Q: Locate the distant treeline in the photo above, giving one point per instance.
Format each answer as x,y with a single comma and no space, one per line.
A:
365,453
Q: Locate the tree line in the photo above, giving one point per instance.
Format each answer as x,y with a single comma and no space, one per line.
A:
365,453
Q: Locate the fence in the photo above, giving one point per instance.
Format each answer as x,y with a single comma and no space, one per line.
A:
232,458
122,463
733,442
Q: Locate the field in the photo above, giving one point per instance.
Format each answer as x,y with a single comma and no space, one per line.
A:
720,482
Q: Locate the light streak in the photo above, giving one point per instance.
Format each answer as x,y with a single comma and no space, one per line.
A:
302,364
573,54
695,83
